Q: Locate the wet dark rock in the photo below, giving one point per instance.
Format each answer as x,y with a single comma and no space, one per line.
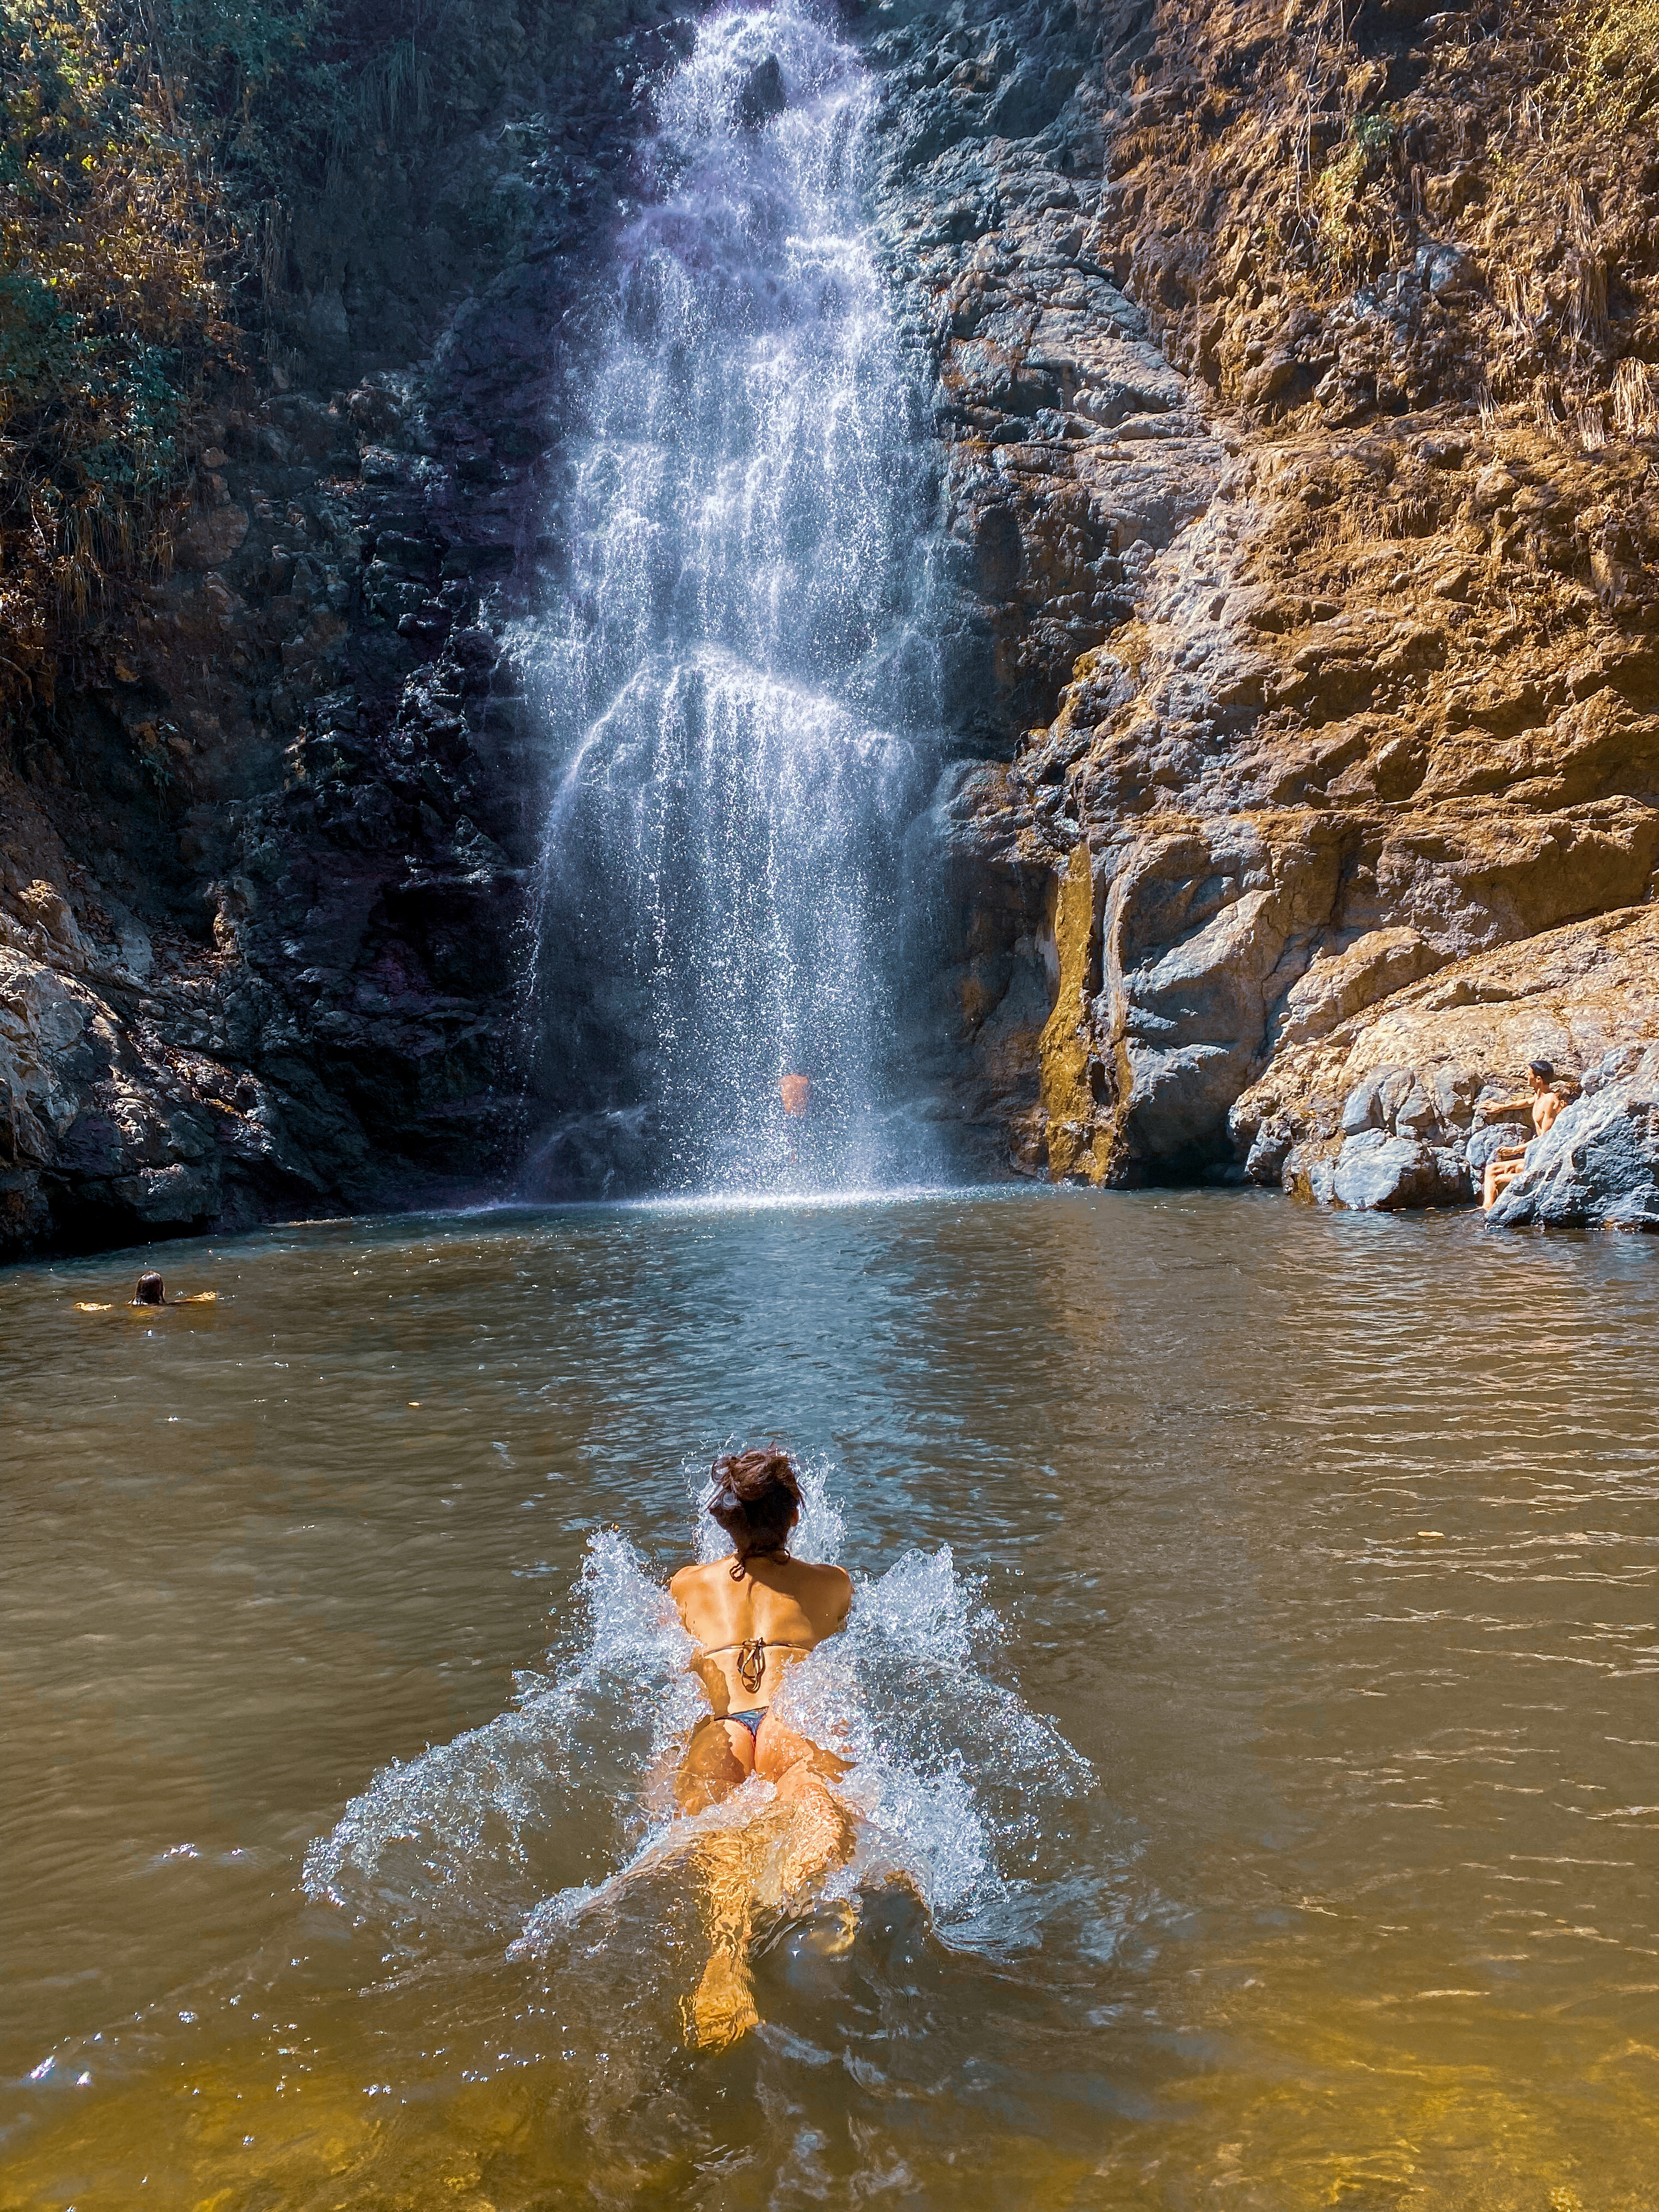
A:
284,894
762,94
607,1152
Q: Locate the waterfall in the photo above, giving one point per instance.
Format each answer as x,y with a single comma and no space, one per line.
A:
736,675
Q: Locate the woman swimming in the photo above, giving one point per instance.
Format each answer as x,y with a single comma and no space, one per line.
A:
753,1616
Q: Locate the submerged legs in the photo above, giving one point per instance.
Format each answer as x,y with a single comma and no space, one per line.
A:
770,1860
723,2006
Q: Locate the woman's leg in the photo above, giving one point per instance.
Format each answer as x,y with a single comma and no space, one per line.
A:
720,1756
723,2006
778,1747
821,1833
741,1868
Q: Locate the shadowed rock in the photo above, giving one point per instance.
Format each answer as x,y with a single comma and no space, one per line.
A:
761,96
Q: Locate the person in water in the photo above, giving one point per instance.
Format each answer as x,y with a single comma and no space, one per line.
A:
752,1617
795,1091
1543,1103
149,1292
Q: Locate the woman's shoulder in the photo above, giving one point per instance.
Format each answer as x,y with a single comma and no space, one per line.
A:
827,1584
837,1576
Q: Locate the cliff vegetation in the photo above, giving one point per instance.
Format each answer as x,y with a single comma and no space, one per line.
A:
165,165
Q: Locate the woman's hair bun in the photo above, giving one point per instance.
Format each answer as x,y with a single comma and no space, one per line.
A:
756,1497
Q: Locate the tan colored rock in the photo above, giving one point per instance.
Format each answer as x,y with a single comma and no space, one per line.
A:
1423,621
43,905
1414,1066
1337,984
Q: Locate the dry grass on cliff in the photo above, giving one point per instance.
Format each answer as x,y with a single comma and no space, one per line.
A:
1286,169
1611,77
113,242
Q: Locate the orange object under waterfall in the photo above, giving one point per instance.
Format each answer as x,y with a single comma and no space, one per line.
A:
795,1091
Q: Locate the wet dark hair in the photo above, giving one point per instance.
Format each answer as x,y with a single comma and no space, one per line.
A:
756,1497
1543,1069
149,1292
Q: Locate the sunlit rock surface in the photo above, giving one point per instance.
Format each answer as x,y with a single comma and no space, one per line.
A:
1416,1069
1354,565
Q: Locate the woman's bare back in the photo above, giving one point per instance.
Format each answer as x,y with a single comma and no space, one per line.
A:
750,1630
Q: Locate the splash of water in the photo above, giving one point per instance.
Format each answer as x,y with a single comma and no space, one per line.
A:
526,1823
736,677
467,1831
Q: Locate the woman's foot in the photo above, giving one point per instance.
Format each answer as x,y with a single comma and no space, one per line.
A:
723,2009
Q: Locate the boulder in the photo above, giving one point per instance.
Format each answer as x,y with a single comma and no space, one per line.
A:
170,1195
210,536
1199,930
1376,1173
1414,1069
611,1152
1599,1165
762,95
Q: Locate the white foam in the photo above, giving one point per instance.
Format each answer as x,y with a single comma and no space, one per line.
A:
739,668
527,1822
464,1830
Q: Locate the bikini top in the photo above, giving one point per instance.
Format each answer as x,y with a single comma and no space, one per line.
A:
751,1656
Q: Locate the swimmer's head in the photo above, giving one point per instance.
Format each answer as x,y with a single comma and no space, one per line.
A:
1541,1071
149,1292
757,1500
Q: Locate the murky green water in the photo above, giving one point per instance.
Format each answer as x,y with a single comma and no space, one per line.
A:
1360,1907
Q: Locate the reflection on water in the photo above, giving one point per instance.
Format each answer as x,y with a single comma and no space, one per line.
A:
1329,1544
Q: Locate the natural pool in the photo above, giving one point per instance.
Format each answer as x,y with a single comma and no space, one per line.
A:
1354,1903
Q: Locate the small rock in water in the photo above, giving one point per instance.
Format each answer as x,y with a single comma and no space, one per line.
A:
763,95
1376,1173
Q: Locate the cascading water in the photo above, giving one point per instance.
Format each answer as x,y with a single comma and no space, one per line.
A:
737,677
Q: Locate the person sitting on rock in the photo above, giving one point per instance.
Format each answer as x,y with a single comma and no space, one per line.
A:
1543,1103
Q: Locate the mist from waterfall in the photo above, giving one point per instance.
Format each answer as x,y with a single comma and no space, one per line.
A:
737,679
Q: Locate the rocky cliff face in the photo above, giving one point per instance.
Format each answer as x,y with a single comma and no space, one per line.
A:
263,857
1301,433
1292,372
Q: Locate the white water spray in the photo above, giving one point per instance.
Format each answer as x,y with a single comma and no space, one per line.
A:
519,1829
